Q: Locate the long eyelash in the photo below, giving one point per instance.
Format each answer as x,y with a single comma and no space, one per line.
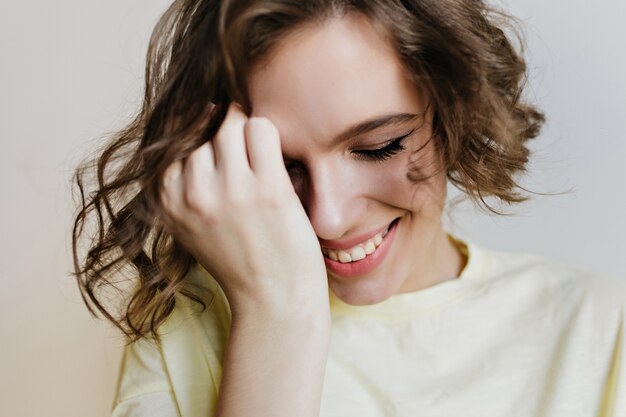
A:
387,151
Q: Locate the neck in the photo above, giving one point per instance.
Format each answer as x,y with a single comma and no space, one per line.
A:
443,262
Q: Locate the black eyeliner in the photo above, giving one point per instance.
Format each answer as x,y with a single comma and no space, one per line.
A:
393,147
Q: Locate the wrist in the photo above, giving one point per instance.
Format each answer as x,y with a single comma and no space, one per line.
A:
311,315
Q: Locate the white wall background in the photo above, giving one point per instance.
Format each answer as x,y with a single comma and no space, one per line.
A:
71,71
577,62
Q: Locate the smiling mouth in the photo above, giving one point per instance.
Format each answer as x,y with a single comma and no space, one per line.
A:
360,251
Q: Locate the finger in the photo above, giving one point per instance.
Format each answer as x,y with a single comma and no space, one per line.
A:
198,170
229,144
172,187
263,144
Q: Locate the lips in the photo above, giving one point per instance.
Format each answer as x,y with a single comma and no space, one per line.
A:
347,243
356,252
371,261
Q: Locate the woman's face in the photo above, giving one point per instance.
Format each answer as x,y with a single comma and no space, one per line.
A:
318,84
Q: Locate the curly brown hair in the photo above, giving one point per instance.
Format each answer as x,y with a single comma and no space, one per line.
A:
200,55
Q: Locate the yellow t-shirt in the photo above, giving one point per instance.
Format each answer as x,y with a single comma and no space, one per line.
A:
514,335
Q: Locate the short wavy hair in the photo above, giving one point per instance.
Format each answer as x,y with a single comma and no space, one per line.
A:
200,55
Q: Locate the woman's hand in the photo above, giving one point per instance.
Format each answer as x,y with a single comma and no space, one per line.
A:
231,204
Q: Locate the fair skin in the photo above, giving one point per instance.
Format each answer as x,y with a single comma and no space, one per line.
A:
314,87
271,226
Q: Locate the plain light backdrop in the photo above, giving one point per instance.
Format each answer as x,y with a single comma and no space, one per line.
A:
71,72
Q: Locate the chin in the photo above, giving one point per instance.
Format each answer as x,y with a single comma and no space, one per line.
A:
363,292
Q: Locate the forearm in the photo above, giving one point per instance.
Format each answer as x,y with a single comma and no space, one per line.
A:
274,365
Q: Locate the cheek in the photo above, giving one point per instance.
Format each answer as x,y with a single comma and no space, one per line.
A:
428,176
390,183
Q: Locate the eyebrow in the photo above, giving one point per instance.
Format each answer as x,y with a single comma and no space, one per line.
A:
373,124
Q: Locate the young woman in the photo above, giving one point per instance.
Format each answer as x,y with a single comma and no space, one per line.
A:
276,206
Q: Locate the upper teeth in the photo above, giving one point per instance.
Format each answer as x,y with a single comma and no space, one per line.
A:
357,252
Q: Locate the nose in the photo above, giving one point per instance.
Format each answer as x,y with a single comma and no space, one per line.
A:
333,200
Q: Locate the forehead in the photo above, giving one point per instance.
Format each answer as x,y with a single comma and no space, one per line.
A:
324,78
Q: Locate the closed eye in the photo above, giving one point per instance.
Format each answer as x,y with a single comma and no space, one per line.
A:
392,147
